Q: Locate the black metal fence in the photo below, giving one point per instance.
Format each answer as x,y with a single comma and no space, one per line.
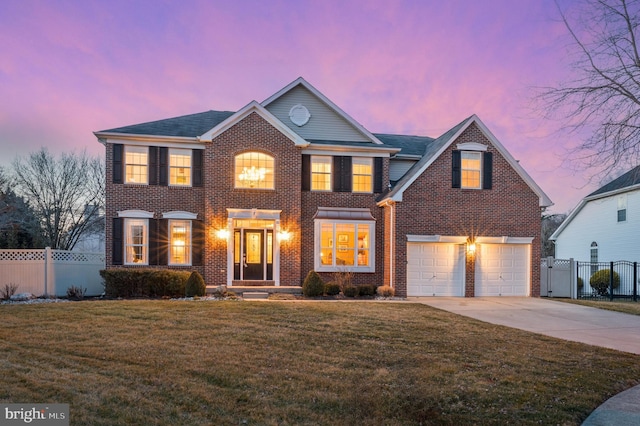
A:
608,280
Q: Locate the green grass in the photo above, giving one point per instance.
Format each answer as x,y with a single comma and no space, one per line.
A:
624,306
296,363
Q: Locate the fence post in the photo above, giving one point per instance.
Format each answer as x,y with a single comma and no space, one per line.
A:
573,279
635,281
611,281
47,268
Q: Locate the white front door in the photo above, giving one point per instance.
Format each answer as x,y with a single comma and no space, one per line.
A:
435,269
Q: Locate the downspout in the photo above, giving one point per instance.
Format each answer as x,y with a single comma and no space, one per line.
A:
392,243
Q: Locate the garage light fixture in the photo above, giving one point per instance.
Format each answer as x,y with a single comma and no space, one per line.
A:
471,246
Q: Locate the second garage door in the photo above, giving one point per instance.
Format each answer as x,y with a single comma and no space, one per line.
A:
435,269
502,270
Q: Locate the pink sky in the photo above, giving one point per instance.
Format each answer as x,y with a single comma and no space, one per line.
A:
68,68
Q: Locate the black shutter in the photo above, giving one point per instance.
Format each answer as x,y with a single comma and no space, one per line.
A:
487,170
456,169
153,165
377,174
336,174
118,153
306,172
161,242
197,242
341,174
347,174
196,167
164,166
117,235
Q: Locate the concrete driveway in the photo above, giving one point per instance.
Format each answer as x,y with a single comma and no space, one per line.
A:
552,318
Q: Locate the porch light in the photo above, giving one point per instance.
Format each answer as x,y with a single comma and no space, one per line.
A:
223,234
252,175
471,246
284,235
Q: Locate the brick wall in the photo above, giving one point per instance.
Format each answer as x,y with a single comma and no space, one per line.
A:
431,207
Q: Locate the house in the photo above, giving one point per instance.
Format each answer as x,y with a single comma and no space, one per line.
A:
603,227
263,195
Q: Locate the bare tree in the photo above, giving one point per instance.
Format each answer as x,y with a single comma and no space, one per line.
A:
550,223
603,99
67,194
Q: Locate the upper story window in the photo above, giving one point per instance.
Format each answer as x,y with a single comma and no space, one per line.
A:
254,170
362,174
471,168
136,164
180,167
622,208
321,173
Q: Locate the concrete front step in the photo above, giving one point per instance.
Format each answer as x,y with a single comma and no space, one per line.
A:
262,289
255,295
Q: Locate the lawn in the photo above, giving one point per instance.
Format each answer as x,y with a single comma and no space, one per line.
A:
622,305
296,363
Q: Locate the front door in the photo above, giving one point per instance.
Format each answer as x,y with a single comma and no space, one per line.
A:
253,258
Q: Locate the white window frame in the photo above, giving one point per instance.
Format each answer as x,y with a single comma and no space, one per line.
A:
237,171
318,266
321,159
469,154
183,152
622,206
128,243
366,161
137,150
188,243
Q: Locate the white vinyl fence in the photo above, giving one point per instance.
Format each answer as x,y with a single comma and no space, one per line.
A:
51,272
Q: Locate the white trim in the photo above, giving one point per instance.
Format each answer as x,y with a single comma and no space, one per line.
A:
146,140
504,240
302,82
299,119
316,149
135,214
471,146
178,214
455,239
250,108
253,214
317,227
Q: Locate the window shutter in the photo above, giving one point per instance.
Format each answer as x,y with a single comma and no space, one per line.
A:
377,175
306,172
196,167
341,174
487,170
158,242
117,241
164,166
197,239
336,174
153,165
347,176
118,153
456,169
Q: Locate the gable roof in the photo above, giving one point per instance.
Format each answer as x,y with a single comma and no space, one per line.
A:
302,82
410,146
629,181
434,149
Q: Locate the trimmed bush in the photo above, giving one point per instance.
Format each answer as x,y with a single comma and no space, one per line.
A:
580,283
313,286
144,282
386,291
366,290
195,285
331,289
599,281
350,291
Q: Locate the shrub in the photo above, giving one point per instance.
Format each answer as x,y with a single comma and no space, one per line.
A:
312,286
195,285
580,283
350,291
144,282
331,289
366,290
386,291
343,279
8,291
76,293
600,281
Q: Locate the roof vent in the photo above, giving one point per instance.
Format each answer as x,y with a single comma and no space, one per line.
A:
299,115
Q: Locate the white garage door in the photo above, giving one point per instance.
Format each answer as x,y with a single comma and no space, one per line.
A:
502,270
435,269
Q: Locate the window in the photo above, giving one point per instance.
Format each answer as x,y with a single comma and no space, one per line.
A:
362,174
179,242
136,164
471,166
136,241
344,245
622,208
254,170
594,257
321,173
180,167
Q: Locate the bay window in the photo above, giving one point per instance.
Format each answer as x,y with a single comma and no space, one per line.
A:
345,245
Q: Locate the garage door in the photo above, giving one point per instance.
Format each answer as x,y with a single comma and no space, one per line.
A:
435,269
502,270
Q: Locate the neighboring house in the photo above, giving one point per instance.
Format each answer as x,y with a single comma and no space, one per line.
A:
263,195
604,227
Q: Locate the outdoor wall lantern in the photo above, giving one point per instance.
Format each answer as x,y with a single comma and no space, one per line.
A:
223,234
471,246
284,235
